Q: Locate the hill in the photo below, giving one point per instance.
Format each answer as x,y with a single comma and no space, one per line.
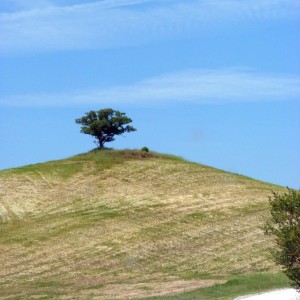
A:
125,224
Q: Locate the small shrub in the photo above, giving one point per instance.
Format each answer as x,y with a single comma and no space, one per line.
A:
145,149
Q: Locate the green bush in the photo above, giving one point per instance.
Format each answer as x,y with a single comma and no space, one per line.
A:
284,225
145,149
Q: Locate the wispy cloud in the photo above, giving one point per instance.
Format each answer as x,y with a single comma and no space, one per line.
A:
115,23
29,4
196,86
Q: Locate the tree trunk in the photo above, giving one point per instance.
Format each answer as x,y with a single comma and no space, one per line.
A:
101,144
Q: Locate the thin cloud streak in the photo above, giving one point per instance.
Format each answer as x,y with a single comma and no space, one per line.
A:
109,24
196,86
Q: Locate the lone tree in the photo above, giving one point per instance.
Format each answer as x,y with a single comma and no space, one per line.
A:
104,125
284,224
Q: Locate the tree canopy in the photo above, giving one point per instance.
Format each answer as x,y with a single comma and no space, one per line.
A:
104,124
284,224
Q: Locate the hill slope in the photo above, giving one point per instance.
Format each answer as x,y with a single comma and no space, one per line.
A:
123,224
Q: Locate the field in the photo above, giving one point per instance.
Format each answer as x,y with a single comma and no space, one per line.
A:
130,224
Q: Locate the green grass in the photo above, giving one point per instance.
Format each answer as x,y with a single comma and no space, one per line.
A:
40,229
66,168
237,286
59,169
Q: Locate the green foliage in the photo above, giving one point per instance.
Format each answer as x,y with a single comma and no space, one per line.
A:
145,149
285,226
104,125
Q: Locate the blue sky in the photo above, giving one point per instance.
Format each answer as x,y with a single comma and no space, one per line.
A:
216,82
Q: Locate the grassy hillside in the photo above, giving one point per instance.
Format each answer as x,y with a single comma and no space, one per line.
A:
127,224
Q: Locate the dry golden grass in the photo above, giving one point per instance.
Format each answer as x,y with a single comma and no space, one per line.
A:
120,225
